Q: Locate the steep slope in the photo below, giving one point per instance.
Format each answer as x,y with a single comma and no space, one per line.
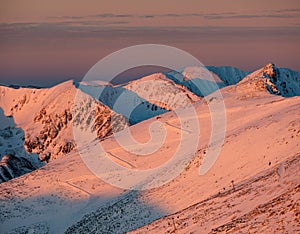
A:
163,92
229,75
143,98
199,79
45,118
278,81
14,160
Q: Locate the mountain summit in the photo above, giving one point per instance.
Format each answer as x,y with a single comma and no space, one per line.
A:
271,79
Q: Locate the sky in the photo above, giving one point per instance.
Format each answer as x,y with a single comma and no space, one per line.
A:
46,42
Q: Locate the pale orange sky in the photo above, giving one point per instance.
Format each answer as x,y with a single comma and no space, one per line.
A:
59,39
44,11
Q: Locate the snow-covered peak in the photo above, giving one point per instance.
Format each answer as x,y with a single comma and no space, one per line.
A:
152,77
205,80
275,80
45,119
144,98
190,73
161,91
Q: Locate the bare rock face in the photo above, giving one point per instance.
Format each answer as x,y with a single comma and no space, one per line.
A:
282,81
270,71
55,137
33,144
52,132
90,115
52,125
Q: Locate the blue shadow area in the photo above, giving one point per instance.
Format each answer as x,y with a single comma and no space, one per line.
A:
123,101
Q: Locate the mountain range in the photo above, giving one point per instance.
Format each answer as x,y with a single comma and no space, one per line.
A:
253,185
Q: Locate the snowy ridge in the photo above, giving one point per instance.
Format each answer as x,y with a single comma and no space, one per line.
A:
198,79
45,118
263,126
143,98
255,173
278,81
229,75
163,92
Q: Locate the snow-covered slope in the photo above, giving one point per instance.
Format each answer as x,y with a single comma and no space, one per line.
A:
199,79
229,75
278,81
14,160
143,98
44,119
163,92
262,140
263,127
265,203
65,195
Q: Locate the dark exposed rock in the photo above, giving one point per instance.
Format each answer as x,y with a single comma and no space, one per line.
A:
68,146
53,132
33,143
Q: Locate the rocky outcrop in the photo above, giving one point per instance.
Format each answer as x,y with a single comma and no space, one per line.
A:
271,79
281,81
52,125
93,116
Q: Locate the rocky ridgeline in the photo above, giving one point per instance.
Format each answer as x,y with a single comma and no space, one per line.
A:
270,72
281,81
271,79
55,137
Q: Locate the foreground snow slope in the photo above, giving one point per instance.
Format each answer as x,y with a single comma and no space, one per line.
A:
262,131
265,203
